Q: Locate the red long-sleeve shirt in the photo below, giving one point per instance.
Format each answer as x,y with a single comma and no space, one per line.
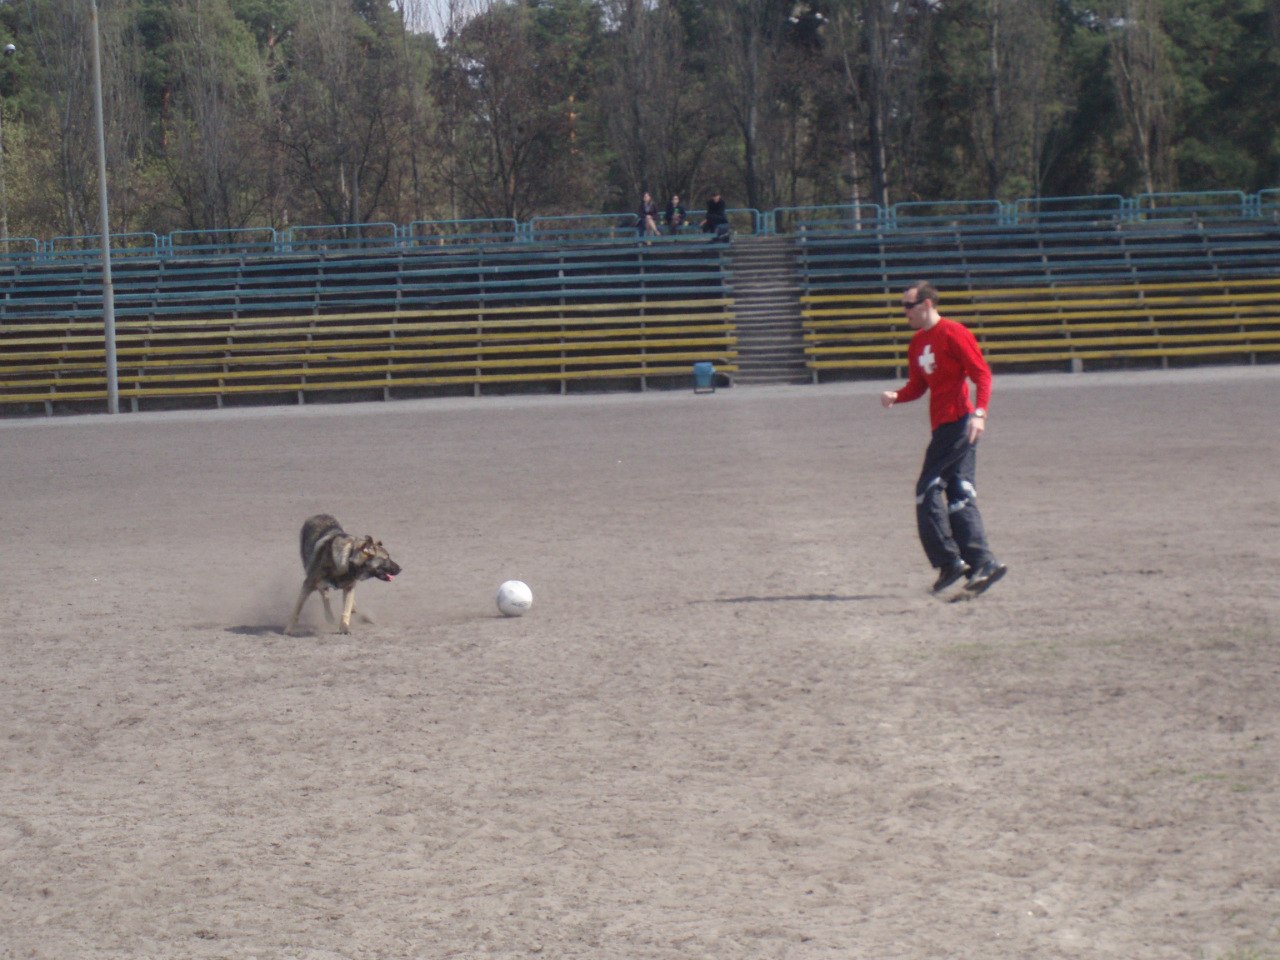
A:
942,360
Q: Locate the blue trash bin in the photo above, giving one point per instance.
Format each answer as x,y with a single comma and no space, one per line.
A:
704,377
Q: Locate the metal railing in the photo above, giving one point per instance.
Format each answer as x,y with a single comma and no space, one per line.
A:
339,236
827,218
1211,205
439,233
803,221
1105,208
946,213
141,244
575,228
245,240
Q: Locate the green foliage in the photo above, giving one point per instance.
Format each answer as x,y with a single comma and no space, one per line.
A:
239,112
1230,79
267,20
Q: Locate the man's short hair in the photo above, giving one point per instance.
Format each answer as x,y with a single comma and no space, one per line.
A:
926,291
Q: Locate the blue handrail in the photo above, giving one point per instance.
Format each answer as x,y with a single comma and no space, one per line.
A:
228,240
1102,207
945,212
15,248
1266,203
341,236
571,227
621,226
142,243
825,218
737,215
1181,206
423,233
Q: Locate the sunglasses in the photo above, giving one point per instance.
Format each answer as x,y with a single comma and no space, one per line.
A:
908,307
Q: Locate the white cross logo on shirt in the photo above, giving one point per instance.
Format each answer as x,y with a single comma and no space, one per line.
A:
928,362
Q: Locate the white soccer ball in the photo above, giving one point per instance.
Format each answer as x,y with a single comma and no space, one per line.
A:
514,598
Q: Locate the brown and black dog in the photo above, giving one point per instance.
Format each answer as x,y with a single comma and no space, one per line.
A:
333,558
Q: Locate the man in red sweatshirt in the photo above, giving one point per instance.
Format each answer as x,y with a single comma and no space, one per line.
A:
942,358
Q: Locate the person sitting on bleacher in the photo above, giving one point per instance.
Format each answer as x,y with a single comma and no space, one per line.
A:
716,221
675,215
647,219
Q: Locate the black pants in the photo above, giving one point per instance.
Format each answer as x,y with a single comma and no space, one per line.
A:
946,499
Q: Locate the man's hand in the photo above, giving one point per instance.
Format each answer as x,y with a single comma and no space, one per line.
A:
888,398
976,426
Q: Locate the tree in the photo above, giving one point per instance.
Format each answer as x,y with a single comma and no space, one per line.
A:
425,166
344,114
881,45
228,113
653,105
60,124
745,42
1001,58
1227,61
1145,87
515,80
813,140
215,153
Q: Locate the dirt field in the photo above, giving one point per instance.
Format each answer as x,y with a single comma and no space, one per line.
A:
735,724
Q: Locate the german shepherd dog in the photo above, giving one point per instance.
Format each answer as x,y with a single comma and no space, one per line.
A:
333,558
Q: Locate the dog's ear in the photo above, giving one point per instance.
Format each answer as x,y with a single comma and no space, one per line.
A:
369,547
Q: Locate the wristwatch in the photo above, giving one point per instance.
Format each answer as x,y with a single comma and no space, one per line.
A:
980,413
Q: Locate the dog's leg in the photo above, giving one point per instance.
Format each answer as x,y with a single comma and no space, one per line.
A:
328,613
359,614
348,605
297,609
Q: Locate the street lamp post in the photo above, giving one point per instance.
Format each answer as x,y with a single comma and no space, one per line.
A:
4,188
108,292
9,51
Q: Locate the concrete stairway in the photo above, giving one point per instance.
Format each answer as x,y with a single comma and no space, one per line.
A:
766,290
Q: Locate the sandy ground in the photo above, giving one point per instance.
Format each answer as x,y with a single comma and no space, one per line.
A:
735,724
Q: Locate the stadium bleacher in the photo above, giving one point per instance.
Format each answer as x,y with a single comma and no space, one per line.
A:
472,307
1061,296
412,323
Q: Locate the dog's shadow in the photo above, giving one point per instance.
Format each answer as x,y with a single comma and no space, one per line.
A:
269,630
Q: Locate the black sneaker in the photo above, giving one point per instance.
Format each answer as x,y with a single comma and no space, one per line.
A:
985,577
950,575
